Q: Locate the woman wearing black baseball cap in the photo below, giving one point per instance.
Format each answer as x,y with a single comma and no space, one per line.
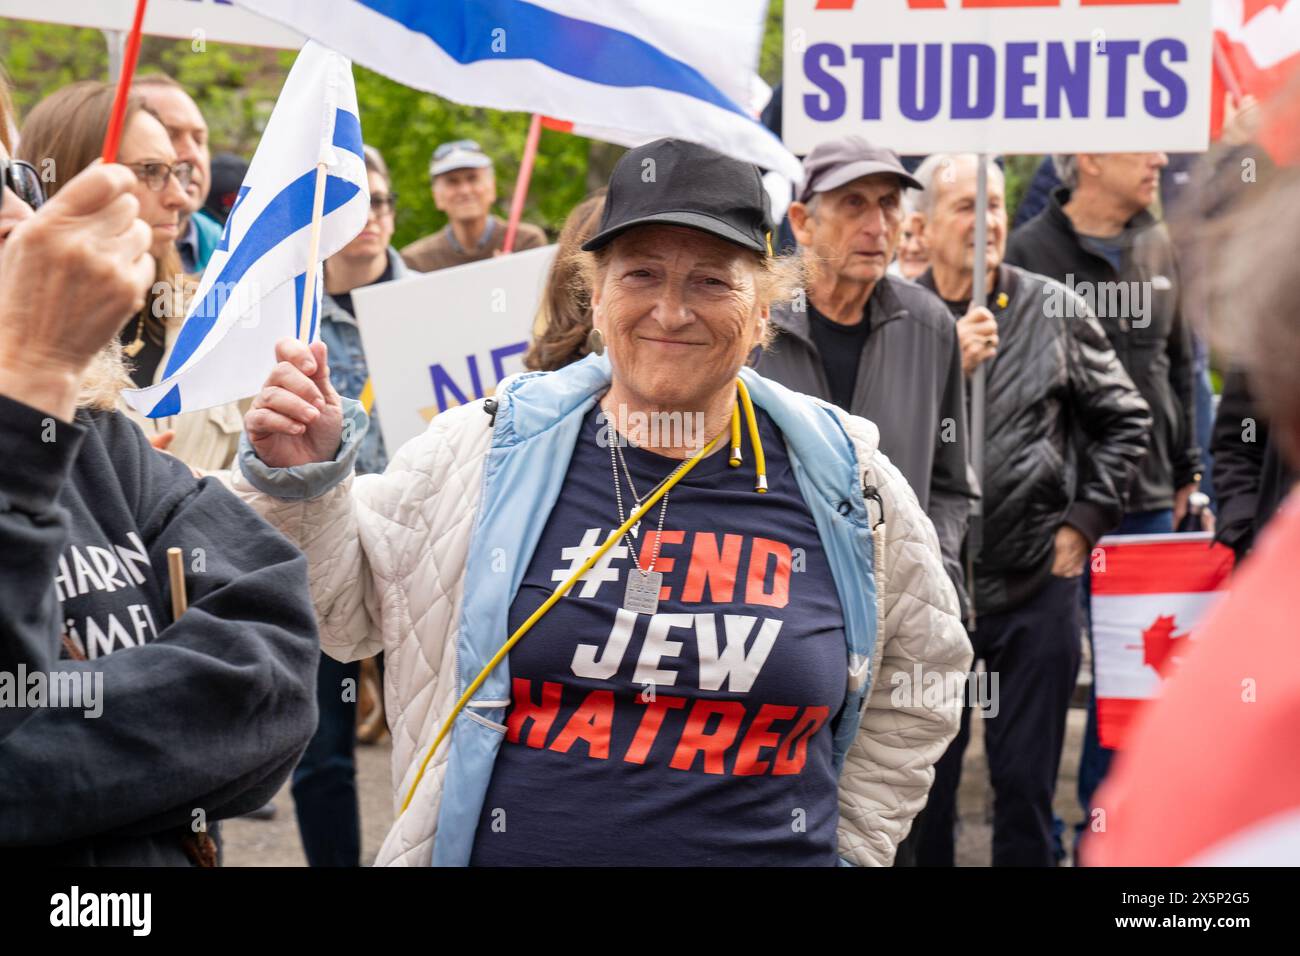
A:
650,638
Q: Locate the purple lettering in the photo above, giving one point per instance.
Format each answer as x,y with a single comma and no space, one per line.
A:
1019,78
1171,81
985,62
500,354
1065,82
1119,52
909,96
872,56
833,88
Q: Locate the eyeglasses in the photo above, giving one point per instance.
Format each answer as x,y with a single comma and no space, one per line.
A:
446,149
154,175
383,204
24,180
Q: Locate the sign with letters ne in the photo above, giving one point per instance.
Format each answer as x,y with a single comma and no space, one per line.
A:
1009,76
445,338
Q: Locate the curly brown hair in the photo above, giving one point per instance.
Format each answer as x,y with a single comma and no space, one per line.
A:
564,317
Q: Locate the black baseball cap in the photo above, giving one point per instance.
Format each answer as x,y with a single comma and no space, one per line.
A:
675,183
836,162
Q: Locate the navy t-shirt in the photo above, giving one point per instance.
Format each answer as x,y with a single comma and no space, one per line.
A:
701,734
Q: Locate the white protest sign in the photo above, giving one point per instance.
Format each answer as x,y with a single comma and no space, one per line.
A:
195,20
448,337
1009,76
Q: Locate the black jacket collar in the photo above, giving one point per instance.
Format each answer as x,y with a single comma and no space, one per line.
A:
882,306
1008,281
1057,216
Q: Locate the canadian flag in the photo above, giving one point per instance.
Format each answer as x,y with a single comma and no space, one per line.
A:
1211,775
1148,593
1257,52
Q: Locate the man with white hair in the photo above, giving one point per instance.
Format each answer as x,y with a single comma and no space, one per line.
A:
464,187
1065,430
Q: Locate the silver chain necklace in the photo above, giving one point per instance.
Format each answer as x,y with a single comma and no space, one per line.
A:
642,593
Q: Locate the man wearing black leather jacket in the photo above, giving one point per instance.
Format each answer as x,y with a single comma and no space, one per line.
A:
1098,237
1065,433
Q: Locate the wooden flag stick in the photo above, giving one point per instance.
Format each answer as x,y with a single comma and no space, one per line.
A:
313,248
176,574
521,184
114,135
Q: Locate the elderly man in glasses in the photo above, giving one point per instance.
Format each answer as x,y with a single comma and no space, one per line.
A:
188,131
465,187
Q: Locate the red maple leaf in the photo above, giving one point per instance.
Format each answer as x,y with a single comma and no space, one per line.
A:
1160,645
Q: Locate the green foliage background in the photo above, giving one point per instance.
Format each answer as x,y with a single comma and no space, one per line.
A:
236,87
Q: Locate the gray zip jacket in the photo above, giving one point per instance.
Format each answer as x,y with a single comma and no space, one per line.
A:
910,385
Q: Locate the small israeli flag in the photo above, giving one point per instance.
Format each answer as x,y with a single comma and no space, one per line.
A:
251,294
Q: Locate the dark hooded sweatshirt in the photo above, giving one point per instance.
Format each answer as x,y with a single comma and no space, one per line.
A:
201,718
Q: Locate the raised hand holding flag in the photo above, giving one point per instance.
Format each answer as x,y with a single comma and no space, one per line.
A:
304,198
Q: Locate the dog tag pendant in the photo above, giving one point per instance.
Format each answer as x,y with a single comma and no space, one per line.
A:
642,595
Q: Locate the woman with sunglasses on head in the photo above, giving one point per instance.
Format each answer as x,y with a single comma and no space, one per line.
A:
64,134
173,722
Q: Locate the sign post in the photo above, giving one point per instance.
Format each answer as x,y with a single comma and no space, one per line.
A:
116,41
979,299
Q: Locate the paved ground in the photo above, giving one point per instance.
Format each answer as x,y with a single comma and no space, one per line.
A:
275,842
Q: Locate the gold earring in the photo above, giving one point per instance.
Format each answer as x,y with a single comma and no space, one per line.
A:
596,341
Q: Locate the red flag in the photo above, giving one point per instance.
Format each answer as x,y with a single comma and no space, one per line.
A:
1212,772
1257,53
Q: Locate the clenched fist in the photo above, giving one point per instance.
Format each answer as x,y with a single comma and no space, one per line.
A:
70,278
297,417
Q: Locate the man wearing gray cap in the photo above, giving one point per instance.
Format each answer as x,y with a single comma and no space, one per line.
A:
465,187
877,345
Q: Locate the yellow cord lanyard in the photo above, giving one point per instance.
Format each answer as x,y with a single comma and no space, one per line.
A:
760,485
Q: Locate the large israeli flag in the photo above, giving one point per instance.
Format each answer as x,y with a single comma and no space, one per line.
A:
251,294
640,69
